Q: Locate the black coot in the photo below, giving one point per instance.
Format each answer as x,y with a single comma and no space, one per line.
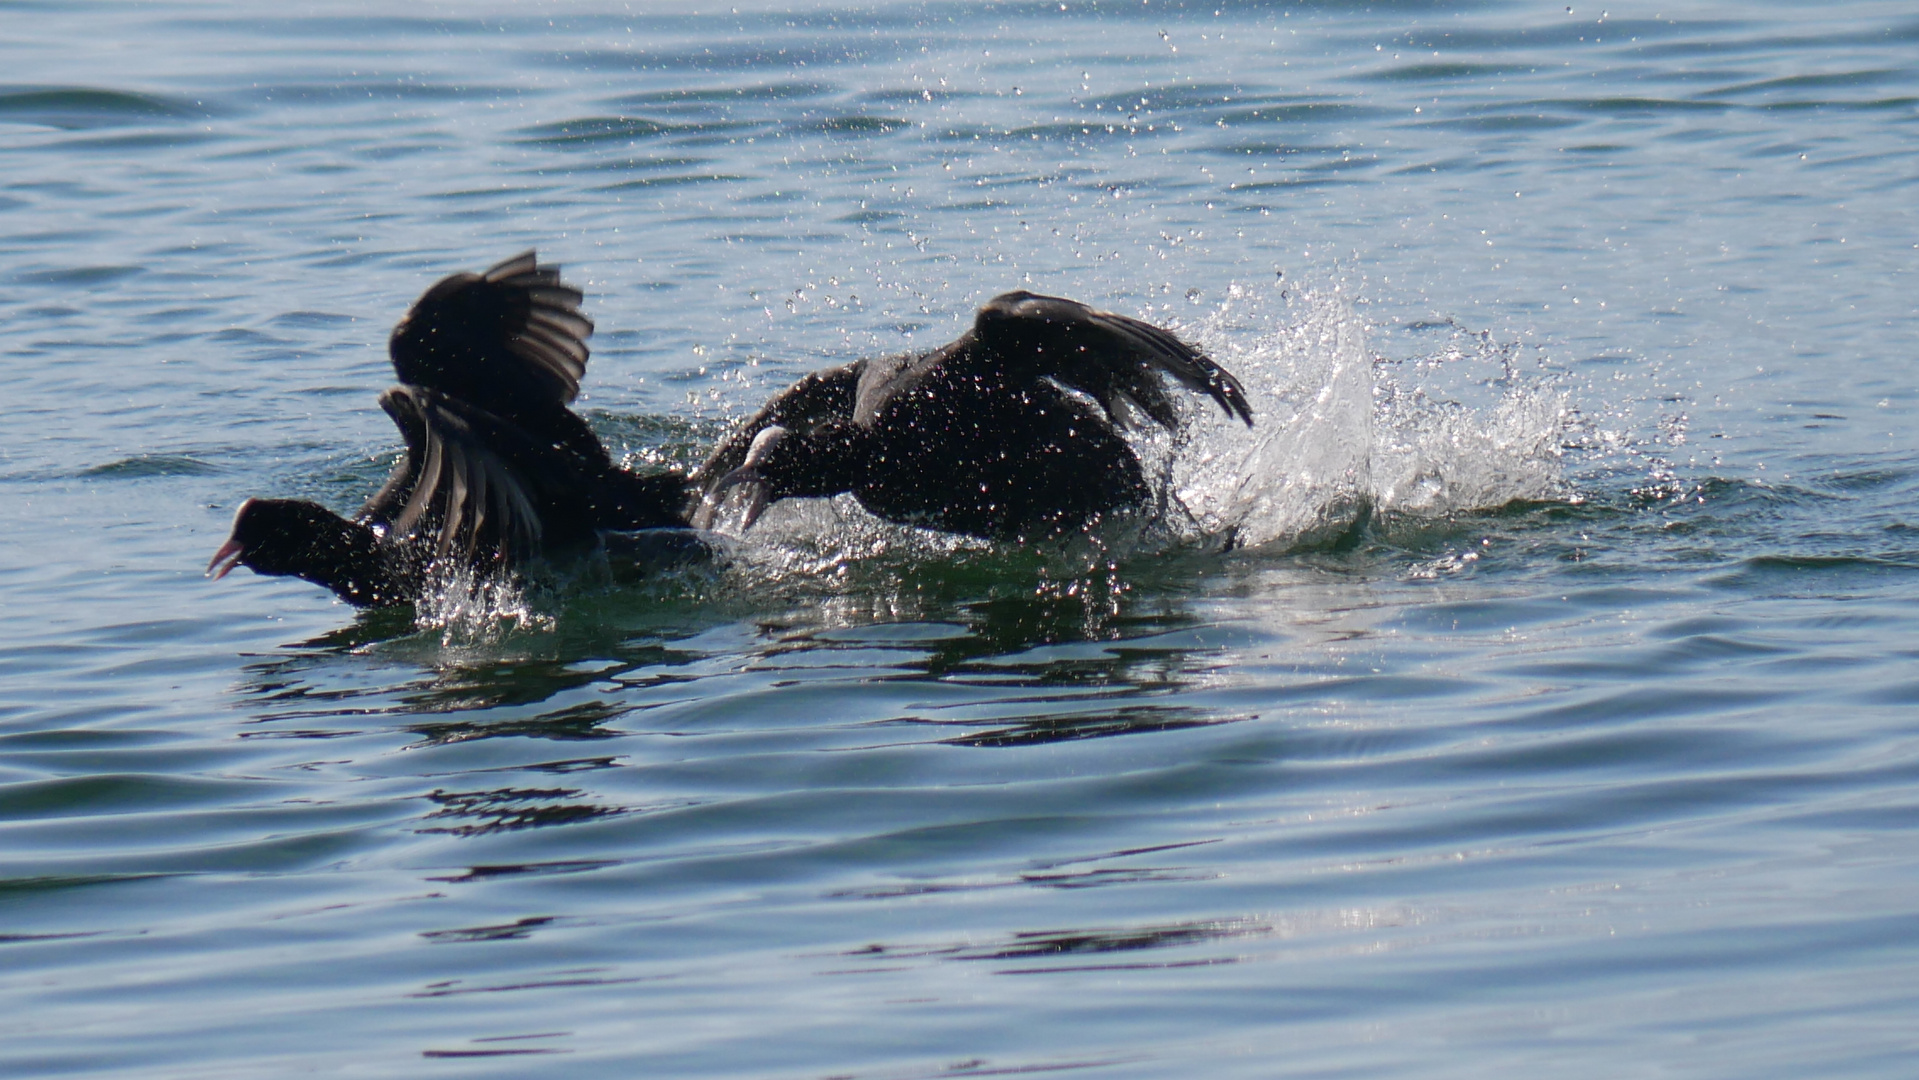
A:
983,436
497,471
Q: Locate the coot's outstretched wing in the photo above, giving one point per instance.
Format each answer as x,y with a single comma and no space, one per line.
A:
1111,357
511,340
471,484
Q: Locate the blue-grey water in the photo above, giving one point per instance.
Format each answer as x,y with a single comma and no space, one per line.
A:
1555,715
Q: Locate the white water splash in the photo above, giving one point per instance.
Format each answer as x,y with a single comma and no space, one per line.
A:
470,608
1338,435
1305,465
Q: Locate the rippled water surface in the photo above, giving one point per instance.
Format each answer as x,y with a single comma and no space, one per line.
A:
1553,712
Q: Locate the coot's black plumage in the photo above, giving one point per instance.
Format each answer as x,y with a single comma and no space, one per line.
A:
497,470
983,436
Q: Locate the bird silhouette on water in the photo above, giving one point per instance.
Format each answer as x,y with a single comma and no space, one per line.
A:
1010,432
497,472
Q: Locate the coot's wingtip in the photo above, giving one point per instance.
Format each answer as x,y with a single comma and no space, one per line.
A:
513,266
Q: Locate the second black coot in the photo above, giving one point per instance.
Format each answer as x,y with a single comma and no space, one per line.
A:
498,471
1010,432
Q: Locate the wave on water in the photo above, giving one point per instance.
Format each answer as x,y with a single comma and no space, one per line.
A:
143,466
76,108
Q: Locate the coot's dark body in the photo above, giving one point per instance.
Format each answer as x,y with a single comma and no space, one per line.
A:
497,470
984,436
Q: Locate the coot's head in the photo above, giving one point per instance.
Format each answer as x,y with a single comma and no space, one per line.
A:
821,460
281,537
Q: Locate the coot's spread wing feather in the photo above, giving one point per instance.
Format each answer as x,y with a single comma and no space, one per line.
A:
1108,356
511,340
470,483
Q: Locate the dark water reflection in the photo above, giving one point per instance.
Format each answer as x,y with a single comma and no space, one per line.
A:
471,813
1062,644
